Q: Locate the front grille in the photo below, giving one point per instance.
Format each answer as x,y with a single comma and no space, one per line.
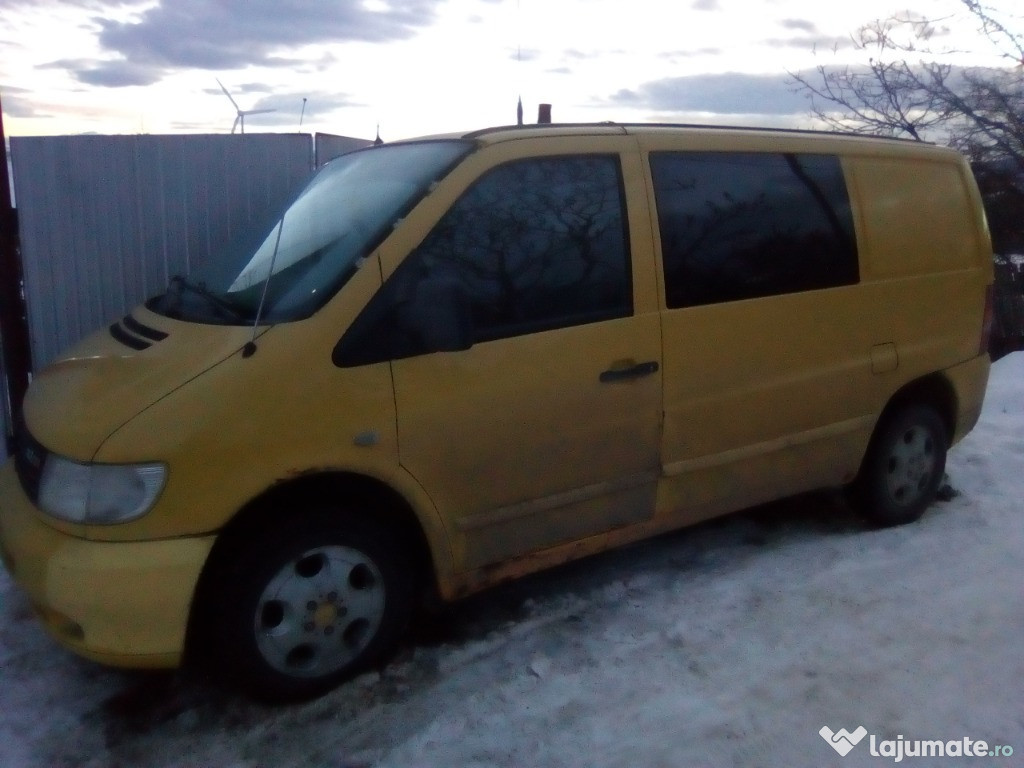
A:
29,458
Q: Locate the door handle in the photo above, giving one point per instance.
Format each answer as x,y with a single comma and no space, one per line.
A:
630,372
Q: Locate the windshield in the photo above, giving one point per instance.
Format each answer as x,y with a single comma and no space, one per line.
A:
319,242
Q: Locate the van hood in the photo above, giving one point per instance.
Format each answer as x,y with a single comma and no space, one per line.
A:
111,376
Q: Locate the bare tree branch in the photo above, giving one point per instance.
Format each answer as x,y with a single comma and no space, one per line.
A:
912,88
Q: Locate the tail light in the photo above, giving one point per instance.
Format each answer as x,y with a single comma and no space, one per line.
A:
987,320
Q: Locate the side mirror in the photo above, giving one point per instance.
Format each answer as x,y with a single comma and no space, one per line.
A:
438,315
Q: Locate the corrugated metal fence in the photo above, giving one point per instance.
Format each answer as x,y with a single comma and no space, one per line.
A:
105,221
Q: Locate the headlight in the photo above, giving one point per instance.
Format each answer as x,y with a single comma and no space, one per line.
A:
98,493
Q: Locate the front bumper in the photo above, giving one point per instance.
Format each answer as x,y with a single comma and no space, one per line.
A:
120,603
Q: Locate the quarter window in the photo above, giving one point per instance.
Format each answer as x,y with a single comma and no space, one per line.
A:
744,225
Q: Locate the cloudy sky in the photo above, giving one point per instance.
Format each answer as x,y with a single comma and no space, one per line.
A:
420,66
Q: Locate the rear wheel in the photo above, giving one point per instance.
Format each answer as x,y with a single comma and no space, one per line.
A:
904,466
294,609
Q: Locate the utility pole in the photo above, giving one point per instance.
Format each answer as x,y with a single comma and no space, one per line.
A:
14,338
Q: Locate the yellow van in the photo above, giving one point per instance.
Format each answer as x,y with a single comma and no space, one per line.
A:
460,359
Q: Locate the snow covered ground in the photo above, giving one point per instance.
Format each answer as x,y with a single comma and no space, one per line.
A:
729,644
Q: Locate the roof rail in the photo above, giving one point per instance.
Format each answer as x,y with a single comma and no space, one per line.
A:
704,126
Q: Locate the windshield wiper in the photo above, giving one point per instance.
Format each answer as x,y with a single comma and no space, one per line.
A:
216,301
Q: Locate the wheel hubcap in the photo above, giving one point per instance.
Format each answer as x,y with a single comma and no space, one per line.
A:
911,466
320,611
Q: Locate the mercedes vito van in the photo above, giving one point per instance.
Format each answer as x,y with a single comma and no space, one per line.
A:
456,360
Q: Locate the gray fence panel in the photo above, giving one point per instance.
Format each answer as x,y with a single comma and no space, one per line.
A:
105,221
328,146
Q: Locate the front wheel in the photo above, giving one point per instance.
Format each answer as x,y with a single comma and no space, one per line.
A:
903,468
296,608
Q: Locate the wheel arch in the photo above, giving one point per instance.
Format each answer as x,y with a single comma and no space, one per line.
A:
390,509
902,469
933,390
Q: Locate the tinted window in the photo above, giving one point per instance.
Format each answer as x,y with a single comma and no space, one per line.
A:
738,226
533,245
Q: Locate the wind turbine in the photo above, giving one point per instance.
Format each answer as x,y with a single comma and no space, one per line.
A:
240,118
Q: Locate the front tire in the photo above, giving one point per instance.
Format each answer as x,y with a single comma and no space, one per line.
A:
904,466
297,606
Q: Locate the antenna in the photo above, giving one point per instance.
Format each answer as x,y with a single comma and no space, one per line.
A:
241,113
519,64
302,114
250,346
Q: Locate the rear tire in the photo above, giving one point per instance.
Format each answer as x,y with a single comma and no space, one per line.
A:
295,607
904,466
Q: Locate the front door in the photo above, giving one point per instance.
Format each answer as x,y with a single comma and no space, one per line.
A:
541,423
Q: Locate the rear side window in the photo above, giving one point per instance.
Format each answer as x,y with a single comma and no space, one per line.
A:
744,225
531,246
